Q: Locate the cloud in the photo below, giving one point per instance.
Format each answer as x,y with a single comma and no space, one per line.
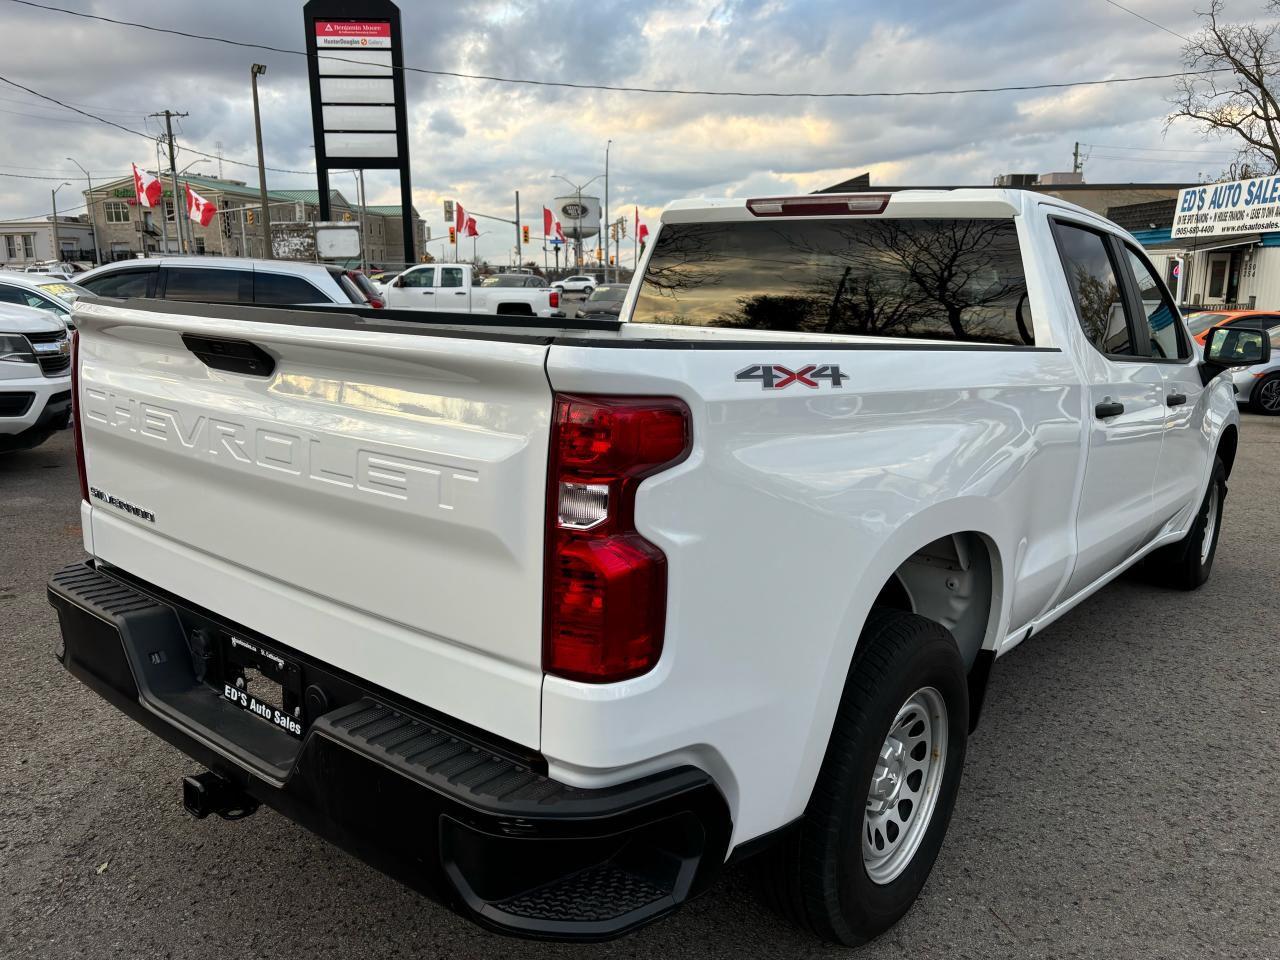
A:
481,141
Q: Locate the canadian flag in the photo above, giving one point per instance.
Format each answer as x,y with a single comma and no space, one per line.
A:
459,219
199,209
559,232
146,187
547,221
642,232
469,228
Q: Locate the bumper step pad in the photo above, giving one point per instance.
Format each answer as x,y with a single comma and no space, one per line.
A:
452,814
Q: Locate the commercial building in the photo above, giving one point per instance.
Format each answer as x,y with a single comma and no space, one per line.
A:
127,229
24,242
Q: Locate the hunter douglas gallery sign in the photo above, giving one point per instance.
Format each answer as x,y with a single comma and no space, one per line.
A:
1221,209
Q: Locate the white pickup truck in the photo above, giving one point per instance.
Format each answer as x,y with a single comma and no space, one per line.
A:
553,622
454,288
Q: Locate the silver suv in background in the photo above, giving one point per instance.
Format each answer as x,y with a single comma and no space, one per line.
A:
231,280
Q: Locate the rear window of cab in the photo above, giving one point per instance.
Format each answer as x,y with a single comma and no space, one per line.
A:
934,279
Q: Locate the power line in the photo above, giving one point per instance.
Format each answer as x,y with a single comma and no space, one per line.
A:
42,216
1112,146
1012,88
139,133
1101,156
1158,26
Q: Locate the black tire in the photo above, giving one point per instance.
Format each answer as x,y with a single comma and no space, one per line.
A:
1258,403
1187,564
588,291
817,876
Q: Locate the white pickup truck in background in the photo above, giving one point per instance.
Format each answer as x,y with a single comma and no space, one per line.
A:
551,621
453,288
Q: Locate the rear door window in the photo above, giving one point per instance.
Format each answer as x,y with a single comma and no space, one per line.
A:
1095,286
208,284
451,276
933,279
123,283
280,288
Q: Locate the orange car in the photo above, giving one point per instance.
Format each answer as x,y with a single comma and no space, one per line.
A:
1202,321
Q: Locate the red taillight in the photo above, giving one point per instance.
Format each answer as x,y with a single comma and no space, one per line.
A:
77,430
555,299
819,205
376,303
606,586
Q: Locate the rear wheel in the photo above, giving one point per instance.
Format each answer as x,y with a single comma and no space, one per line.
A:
880,808
1188,563
1266,395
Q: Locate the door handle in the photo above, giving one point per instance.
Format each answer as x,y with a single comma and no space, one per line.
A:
1176,399
1108,408
460,293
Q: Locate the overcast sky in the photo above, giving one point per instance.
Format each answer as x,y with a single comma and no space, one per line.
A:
478,141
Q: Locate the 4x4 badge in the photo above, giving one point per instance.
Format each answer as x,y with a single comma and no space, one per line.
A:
774,376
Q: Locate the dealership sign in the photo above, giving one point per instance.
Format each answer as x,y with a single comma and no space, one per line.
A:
1221,209
348,35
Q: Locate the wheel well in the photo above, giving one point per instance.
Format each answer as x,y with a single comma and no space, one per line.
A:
1227,447
950,582
515,309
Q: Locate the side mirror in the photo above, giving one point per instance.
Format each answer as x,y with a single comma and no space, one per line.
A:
1234,347
398,282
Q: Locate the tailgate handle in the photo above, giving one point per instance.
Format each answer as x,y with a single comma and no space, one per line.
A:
233,356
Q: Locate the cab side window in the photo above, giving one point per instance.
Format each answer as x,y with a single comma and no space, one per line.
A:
450,276
124,283
1159,316
419,278
1095,287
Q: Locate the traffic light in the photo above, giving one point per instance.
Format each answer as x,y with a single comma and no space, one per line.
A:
524,233
453,234
248,217
599,254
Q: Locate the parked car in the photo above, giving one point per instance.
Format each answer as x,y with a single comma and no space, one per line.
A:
228,280
44,291
551,623
605,302
578,284
1202,322
35,376
64,270
452,287
1257,384
515,280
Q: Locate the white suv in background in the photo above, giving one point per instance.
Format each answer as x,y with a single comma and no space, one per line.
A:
578,284
230,280
35,376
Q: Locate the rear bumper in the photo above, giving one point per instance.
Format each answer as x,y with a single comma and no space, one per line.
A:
452,813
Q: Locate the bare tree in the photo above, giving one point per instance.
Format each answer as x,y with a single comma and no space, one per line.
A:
1232,90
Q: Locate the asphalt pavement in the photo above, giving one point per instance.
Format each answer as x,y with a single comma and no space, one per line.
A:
1121,798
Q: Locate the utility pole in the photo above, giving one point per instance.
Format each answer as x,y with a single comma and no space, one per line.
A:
607,145
257,70
57,245
1076,166
519,235
173,171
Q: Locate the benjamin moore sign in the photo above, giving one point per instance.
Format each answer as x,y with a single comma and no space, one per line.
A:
1222,209
355,67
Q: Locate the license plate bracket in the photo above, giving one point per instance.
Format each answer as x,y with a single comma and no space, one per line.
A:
260,680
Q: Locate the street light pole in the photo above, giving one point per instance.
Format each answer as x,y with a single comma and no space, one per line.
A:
93,218
257,70
57,246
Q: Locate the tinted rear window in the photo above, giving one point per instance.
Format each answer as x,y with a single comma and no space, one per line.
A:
123,283
208,284
281,288
921,278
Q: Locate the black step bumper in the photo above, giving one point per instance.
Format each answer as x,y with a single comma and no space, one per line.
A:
467,820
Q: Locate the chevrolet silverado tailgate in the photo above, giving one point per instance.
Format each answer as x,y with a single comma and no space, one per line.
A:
370,494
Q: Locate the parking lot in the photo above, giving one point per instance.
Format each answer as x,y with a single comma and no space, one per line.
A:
1121,797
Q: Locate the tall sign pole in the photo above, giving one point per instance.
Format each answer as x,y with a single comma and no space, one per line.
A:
355,65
